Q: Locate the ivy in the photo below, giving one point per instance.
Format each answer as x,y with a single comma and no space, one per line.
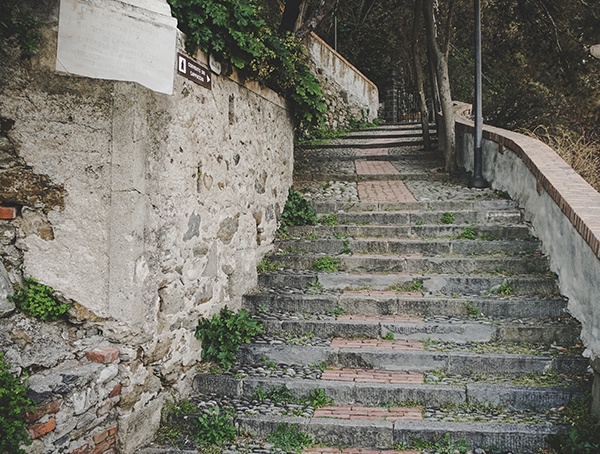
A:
38,300
235,32
13,406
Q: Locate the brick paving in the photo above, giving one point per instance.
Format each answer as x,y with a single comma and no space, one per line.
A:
390,293
372,376
384,191
378,344
355,451
373,152
355,412
375,168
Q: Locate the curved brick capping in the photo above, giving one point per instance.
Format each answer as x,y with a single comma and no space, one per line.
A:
563,209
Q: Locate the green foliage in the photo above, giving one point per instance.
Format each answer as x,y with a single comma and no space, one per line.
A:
297,210
37,300
504,289
416,285
235,32
266,265
346,247
314,288
584,435
441,445
472,310
290,439
330,219
215,428
468,233
13,406
18,25
447,218
326,263
389,336
336,312
317,398
223,334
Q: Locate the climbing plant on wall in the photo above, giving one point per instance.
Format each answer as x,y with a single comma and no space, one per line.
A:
234,32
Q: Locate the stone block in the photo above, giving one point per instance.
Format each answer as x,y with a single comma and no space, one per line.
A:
103,355
43,410
41,429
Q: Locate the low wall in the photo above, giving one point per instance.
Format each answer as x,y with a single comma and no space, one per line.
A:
348,92
144,210
563,209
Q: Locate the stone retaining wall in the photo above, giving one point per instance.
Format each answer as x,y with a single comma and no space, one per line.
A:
348,92
143,210
563,210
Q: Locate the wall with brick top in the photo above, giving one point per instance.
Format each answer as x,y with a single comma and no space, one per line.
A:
563,209
145,211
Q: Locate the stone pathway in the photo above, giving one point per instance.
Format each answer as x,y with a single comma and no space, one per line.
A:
438,321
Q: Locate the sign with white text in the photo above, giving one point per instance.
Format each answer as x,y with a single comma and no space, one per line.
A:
191,70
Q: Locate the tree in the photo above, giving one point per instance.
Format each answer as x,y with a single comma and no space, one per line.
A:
295,11
417,24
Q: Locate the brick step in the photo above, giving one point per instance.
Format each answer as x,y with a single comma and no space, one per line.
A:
492,232
433,284
378,263
517,438
560,333
389,302
383,357
500,216
378,387
441,206
409,246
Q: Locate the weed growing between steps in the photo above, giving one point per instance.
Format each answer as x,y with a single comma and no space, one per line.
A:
223,334
416,285
440,445
290,439
583,436
549,379
266,266
326,263
468,233
297,210
447,218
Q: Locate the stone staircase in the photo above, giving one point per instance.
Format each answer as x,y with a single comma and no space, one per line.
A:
415,308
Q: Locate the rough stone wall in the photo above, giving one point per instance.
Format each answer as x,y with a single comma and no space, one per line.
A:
349,94
143,210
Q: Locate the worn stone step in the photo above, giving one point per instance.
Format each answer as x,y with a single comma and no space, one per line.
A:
517,438
376,392
502,216
435,205
373,263
414,360
494,232
307,175
409,246
308,157
388,134
407,141
560,333
387,302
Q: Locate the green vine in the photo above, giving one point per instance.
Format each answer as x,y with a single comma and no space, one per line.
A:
235,32
38,300
13,406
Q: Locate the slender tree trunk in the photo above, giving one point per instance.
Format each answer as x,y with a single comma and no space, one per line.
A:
325,8
291,13
419,74
440,61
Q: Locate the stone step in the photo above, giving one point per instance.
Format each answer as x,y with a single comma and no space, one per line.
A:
502,216
517,438
368,143
457,332
386,302
373,263
388,134
307,175
492,232
371,389
410,246
424,158
412,359
434,205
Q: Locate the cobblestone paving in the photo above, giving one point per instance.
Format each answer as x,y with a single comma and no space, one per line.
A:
384,191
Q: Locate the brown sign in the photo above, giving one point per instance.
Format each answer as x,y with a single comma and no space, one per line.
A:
192,70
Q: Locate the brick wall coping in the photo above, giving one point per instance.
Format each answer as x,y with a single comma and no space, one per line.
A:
576,198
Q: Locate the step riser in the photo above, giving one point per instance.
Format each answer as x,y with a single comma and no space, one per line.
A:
375,246
392,143
378,264
393,305
404,176
452,362
445,206
515,438
456,333
377,394
503,217
425,231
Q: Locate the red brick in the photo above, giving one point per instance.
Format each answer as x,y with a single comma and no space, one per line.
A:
82,449
8,212
43,410
39,430
104,447
116,391
103,355
105,408
100,436
112,431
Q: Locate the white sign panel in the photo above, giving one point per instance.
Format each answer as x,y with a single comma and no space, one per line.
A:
116,40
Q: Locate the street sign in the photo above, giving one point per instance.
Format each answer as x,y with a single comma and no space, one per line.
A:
192,70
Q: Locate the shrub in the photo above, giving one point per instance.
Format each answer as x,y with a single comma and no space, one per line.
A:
297,210
38,300
215,428
13,406
223,334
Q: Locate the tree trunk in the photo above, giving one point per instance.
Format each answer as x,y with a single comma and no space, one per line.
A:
440,61
291,13
324,9
419,74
